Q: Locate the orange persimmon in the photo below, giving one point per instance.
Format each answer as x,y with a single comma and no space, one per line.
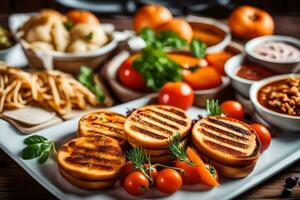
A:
218,59
179,26
187,61
206,177
203,78
248,22
82,16
151,16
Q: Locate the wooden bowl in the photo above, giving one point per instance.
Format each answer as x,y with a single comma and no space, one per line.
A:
124,94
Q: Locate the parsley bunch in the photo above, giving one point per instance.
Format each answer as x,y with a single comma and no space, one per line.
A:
157,68
165,39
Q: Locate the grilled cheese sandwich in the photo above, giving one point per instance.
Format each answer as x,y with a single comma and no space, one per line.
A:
227,141
103,122
152,126
91,158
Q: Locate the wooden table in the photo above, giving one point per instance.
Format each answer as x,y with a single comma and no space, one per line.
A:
15,183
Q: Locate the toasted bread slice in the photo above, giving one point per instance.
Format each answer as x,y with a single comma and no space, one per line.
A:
228,171
158,152
87,185
103,122
91,158
153,125
227,141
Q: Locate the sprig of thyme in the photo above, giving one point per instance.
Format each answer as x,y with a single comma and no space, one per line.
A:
213,108
178,150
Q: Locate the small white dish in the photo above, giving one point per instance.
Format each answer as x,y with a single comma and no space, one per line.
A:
280,66
277,119
232,66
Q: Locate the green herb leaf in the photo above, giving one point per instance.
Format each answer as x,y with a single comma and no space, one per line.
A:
178,150
156,68
162,39
34,139
148,35
68,25
44,157
89,36
31,151
198,48
86,78
213,108
38,146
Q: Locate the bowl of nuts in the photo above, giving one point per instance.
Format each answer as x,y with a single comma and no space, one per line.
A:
277,100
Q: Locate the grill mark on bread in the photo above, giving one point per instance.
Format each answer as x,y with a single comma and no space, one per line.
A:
222,131
138,119
174,111
178,121
78,161
116,130
225,149
158,120
99,120
227,125
148,133
225,140
110,150
119,138
93,158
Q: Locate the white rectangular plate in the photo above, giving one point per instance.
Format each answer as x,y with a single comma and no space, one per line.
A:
283,151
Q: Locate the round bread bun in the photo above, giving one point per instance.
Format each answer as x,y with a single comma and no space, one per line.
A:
103,122
227,141
91,158
87,185
152,126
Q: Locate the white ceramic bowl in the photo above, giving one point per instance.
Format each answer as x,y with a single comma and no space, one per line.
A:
232,66
277,119
63,61
286,66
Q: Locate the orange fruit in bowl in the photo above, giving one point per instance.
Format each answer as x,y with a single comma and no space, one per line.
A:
151,16
204,78
248,22
179,26
82,16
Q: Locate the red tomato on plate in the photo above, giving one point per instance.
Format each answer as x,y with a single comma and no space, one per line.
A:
178,94
129,77
263,134
233,109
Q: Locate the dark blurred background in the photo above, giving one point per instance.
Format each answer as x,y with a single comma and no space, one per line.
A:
213,8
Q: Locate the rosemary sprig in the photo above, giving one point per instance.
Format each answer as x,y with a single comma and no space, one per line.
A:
139,158
213,108
178,150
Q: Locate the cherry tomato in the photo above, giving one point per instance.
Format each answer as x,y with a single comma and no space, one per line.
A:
263,134
128,168
190,175
177,94
233,109
212,170
129,77
125,171
136,183
168,180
